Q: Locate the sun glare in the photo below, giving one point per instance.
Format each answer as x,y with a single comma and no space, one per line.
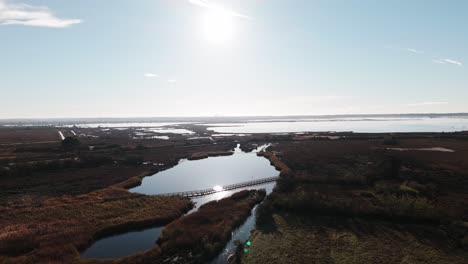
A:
218,26
217,188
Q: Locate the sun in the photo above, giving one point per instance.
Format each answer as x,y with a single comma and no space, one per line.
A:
217,26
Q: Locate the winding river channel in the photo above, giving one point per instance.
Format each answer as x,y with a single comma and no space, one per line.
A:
186,176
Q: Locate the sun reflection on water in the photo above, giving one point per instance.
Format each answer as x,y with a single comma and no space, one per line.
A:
218,188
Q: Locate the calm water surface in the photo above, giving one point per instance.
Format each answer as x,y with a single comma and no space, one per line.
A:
124,244
186,176
445,124
202,174
127,124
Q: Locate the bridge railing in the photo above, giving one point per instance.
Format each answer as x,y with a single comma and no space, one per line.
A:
224,188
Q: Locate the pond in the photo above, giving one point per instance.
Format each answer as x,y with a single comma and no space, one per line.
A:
187,176
191,175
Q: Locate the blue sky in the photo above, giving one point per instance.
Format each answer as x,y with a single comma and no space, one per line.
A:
88,58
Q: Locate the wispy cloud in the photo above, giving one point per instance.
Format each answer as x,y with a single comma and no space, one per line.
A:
414,50
27,15
171,80
458,63
151,75
447,61
438,61
404,49
435,59
207,4
428,103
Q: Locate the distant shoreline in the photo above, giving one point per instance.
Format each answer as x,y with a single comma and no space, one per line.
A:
32,121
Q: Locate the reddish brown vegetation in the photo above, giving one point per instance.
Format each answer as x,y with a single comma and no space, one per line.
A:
349,168
51,171
349,179
53,205
204,155
65,182
204,233
275,161
26,135
54,230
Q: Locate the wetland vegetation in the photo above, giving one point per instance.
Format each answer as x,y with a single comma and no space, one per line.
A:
356,194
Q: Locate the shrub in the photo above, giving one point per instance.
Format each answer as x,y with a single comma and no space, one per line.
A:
70,143
264,215
409,207
389,140
285,183
407,189
133,160
205,231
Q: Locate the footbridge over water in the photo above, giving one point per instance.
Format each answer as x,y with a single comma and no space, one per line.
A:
224,188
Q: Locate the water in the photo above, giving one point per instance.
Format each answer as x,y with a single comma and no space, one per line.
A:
152,137
199,201
124,244
362,125
230,135
242,233
186,176
126,124
168,130
202,174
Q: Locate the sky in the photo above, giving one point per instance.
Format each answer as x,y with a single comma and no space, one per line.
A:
158,58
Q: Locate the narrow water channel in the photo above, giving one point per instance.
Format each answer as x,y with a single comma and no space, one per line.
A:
124,244
242,233
186,176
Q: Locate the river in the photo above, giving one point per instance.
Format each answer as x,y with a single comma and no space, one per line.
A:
191,175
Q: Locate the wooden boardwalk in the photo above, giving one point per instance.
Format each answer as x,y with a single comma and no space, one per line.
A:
225,188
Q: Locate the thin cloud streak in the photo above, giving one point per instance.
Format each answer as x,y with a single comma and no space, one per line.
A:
151,75
208,5
438,61
404,49
171,81
458,63
34,16
414,51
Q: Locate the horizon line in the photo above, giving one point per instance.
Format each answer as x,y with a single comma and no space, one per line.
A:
227,116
